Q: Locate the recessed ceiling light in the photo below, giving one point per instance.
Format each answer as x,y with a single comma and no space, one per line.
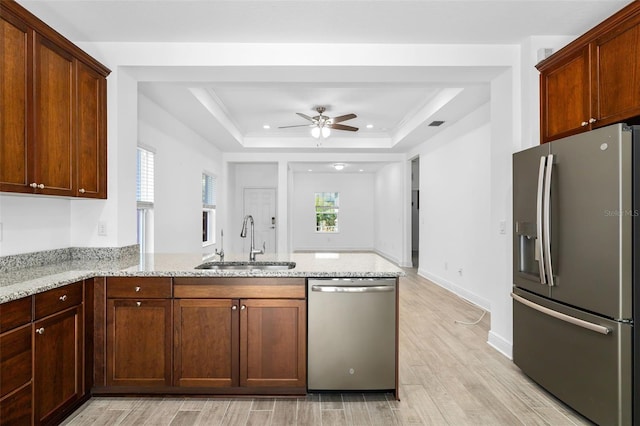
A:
361,170
266,126
309,170
369,126
339,166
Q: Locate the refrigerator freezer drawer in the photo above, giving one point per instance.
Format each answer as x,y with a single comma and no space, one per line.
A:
588,369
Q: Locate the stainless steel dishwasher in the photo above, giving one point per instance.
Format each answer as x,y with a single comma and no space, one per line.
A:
352,334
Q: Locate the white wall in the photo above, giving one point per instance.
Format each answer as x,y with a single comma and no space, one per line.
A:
389,209
356,215
32,223
455,206
181,156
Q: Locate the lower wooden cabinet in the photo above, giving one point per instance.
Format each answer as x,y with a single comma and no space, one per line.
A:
16,373
138,332
58,347
273,343
258,343
58,363
206,333
138,342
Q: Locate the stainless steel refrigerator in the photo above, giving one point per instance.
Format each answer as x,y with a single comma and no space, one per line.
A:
575,251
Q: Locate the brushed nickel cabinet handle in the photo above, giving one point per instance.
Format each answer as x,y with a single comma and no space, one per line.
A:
584,123
40,330
138,289
63,298
234,307
41,186
33,185
592,120
81,190
243,307
138,303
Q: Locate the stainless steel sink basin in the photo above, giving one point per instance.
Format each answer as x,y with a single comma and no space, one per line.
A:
247,266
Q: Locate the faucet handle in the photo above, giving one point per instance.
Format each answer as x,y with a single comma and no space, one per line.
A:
264,246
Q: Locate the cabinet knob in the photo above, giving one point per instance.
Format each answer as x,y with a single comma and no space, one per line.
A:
138,303
63,298
137,289
584,123
243,307
33,185
234,307
81,190
592,120
41,186
40,330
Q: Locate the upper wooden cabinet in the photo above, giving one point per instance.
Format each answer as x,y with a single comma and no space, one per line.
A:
595,80
52,111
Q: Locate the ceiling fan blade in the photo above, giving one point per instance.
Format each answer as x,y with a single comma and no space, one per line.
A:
343,127
306,117
341,118
297,125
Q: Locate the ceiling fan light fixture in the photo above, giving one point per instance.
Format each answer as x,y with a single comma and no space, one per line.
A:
325,132
315,132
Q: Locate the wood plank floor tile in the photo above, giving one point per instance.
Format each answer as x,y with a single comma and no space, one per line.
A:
449,375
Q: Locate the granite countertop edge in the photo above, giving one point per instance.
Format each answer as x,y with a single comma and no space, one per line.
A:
28,287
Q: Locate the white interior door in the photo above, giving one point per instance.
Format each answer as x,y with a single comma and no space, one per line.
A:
261,204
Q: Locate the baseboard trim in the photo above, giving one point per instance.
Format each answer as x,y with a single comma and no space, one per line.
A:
500,344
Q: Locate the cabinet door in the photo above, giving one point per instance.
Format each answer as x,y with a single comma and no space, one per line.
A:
91,146
139,342
273,343
206,342
616,71
53,113
565,97
58,365
14,151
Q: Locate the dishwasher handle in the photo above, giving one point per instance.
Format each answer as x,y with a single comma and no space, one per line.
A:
352,289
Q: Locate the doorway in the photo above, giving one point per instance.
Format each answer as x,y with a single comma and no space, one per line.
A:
261,204
415,211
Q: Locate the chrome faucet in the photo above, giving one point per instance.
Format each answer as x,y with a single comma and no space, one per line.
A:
243,234
221,252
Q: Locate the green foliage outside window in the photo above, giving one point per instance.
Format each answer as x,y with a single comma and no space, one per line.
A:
327,206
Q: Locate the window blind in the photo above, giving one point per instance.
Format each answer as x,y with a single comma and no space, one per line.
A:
208,191
144,176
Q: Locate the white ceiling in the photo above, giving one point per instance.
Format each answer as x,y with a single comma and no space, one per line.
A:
400,103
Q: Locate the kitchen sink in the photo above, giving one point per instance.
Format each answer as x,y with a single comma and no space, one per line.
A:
247,266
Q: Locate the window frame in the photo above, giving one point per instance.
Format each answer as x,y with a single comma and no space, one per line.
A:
209,214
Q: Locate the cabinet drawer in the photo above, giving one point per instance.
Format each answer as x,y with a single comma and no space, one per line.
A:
139,288
239,288
15,359
15,313
58,299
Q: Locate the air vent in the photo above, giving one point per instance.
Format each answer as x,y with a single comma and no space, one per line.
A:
436,123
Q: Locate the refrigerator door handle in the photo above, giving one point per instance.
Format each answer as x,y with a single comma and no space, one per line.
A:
563,317
547,220
541,265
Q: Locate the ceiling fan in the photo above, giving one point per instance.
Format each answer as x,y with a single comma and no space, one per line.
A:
321,124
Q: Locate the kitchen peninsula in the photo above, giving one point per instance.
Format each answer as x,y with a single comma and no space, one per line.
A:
156,325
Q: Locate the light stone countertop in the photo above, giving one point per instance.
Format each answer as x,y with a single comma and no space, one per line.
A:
25,282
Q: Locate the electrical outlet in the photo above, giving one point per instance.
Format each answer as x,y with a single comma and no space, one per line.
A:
102,228
503,227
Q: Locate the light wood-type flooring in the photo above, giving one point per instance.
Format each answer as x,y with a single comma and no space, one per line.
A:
449,375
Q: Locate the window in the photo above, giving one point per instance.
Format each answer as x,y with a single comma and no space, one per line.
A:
327,207
144,198
208,209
